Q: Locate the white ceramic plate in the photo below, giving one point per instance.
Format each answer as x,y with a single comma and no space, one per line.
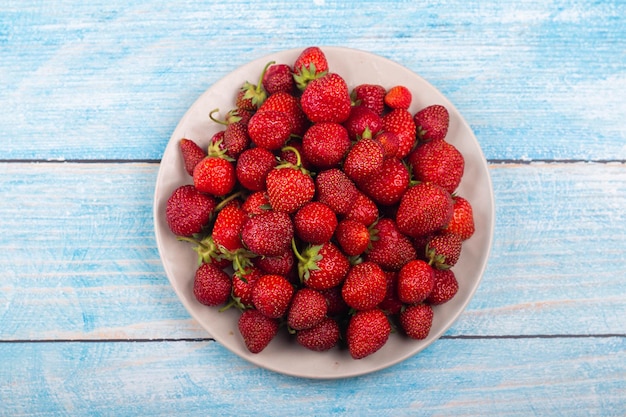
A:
283,355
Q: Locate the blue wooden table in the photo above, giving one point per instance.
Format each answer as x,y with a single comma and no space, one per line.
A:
90,93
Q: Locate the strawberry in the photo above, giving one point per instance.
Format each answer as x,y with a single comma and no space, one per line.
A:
243,282
235,138
389,142
416,321
188,210
336,304
389,184
352,236
290,105
424,208
367,332
289,187
391,249
278,78
432,123
439,162
335,190
211,285
365,286
445,288
371,96
415,282
257,330
363,210
309,65
400,122
277,265
215,174
192,154
443,250
325,144
362,122
321,337
315,223
398,97
251,96
293,153
252,168
391,304
462,222
270,129
308,308
271,295
364,159
268,233
256,203
228,225
321,266
326,99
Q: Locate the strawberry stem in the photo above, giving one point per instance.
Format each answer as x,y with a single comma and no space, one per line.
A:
295,251
216,120
227,200
259,85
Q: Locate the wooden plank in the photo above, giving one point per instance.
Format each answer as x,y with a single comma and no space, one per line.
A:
505,377
77,247
535,80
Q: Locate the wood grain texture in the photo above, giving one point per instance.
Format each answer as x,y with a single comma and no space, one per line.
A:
110,80
452,377
86,259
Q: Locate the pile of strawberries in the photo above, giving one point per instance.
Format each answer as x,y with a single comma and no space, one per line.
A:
324,211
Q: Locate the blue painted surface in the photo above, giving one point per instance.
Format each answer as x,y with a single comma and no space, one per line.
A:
88,321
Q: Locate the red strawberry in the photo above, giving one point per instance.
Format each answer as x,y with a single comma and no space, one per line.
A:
321,337
276,265
439,162
192,154
215,174
391,249
364,159
257,330
309,65
390,143
251,96
352,236
398,97
400,122
415,282
315,223
362,122
363,210
325,144
270,129
308,308
445,288
271,295
243,282
462,222
188,210
389,184
268,233
368,331
253,166
424,208
256,203
228,225
326,99
416,321
235,138
321,266
335,190
432,123
365,286
336,304
293,154
278,78
290,105
369,95
391,304
443,250
211,285
289,187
